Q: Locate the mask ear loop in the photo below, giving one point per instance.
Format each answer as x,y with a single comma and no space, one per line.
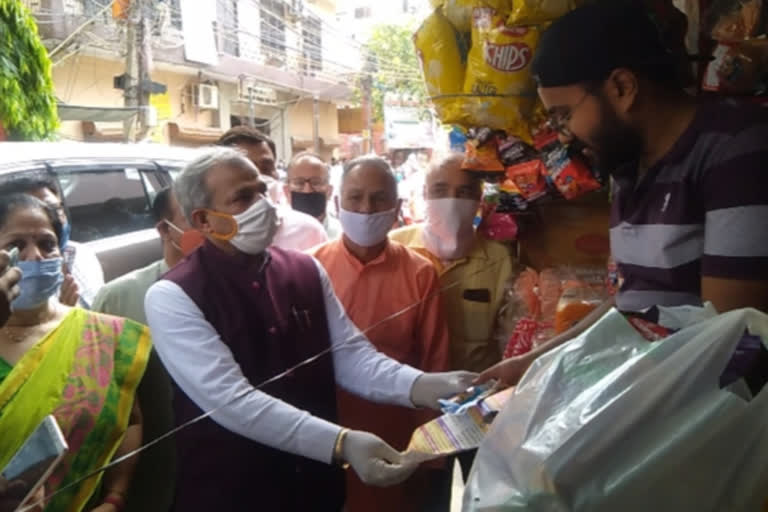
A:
229,236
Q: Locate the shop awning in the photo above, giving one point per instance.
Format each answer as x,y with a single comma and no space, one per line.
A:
95,114
193,135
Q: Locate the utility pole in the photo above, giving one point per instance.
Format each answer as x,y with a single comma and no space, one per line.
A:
366,84
316,124
138,60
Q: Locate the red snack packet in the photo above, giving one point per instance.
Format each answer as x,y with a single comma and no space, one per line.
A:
529,179
571,176
521,341
649,330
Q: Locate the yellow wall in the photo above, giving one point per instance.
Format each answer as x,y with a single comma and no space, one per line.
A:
83,80
300,117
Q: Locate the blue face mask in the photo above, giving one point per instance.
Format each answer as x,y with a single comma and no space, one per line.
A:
66,232
40,281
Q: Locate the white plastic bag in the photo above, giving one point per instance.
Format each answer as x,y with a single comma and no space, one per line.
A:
611,422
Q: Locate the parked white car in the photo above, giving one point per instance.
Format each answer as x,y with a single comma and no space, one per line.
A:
107,191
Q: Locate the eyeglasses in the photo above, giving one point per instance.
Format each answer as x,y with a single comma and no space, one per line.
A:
314,183
559,119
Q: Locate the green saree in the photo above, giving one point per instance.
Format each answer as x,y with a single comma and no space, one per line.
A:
84,372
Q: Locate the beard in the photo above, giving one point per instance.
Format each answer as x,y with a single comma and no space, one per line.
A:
615,145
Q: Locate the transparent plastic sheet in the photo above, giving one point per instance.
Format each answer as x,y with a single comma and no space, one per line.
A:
612,422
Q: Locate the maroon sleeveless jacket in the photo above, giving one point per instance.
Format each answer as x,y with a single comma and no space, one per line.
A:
270,312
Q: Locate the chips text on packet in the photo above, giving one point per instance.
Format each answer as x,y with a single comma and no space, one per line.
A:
502,92
437,46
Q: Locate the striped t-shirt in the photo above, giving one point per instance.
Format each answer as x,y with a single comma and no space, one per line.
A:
700,211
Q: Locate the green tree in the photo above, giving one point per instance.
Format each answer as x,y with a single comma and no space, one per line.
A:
393,65
27,101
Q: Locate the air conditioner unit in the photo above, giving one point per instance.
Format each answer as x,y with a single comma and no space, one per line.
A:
206,96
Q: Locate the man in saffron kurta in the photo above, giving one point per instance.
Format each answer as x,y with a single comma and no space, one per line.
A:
375,279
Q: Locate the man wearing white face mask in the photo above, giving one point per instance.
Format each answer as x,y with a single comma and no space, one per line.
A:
482,267
375,279
236,313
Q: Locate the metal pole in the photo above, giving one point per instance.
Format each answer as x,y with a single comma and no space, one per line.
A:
251,113
144,50
131,93
316,124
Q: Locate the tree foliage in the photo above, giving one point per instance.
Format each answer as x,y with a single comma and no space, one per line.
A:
392,61
27,101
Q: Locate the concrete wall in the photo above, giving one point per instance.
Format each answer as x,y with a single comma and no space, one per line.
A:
301,115
85,80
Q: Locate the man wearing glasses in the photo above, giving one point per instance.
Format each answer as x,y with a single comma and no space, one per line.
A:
308,190
297,231
690,187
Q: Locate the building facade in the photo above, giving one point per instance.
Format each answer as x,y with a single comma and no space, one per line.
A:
280,65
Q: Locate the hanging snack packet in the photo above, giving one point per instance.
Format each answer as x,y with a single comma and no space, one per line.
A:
569,174
498,78
459,13
482,156
437,46
529,179
532,12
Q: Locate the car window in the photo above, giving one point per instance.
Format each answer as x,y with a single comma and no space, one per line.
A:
109,202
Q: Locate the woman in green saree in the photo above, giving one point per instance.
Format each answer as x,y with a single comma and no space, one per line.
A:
80,366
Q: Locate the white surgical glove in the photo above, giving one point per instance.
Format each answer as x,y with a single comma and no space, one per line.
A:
374,461
430,387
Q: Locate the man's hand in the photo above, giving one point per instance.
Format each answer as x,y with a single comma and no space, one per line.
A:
508,372
9,286
374,461
70,292
431,387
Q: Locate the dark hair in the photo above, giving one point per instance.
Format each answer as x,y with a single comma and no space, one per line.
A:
18,201
370,161
161,205
246,135
27,185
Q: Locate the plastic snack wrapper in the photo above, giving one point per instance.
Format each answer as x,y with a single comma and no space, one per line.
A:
738,68
611,421
501,91
736,20
501,227
568,173
529,178
539,305
482,155
459,13
439,48
531,12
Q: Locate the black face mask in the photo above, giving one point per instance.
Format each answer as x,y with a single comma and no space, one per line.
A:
311,203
